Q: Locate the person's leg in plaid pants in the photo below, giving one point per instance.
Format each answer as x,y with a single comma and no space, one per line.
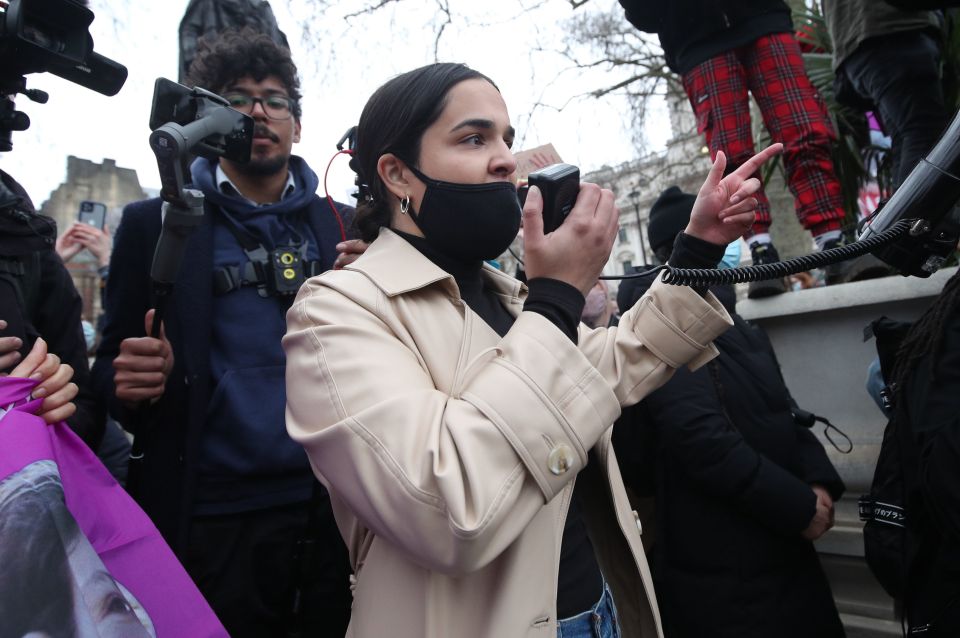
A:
796,115
772,69
717,89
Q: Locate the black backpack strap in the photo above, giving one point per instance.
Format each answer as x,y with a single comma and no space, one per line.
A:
250,274
254,272
24,275
10,266
889,334
232,278
872,509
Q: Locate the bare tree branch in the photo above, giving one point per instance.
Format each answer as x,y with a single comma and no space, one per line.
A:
367,10
448,20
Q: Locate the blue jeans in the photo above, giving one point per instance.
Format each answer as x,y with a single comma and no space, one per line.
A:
900,74
600,621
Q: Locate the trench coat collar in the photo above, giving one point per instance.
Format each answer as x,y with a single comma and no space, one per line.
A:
396,267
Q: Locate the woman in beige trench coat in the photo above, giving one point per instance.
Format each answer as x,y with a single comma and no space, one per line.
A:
461,419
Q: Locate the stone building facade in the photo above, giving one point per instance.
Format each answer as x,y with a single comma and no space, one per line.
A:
86,180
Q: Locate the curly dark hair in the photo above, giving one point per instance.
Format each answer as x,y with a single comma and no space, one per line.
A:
225,57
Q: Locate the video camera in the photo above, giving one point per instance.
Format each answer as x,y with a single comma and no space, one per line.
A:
193,121
48,36
188,121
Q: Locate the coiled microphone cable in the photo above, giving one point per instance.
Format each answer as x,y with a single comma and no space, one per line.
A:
704,277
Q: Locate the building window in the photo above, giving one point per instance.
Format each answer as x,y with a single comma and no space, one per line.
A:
622,235
627,265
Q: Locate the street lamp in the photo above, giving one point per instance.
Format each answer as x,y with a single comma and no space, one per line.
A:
634,196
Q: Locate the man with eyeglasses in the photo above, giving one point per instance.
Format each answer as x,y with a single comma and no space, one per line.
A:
220,477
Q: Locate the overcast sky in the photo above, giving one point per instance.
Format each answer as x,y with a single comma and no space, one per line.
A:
340,63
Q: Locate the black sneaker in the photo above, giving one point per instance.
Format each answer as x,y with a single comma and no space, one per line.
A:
765,254
859,269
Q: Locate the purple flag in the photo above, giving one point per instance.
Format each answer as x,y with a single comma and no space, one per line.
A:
78,556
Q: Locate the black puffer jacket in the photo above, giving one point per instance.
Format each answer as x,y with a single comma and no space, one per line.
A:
692,31
731,472
40,300
931,415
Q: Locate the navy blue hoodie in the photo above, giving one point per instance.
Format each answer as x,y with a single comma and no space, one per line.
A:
248,461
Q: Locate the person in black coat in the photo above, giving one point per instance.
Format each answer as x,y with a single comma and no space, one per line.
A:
38,299
925,427
741,490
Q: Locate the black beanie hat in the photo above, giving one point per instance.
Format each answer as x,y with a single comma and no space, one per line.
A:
668,216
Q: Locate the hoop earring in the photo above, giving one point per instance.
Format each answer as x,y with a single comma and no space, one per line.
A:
404,204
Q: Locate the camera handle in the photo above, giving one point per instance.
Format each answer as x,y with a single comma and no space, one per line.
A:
182,212
182,207
179,222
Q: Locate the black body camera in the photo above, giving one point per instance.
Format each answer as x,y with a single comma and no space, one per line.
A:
559,185
285,271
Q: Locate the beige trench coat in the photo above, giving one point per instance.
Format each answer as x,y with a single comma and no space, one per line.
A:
450,453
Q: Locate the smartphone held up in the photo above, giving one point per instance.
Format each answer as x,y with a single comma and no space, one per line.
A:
92,214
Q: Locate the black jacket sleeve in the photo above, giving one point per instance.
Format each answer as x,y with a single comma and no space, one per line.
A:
558,301
697,436
936,430
127,298
643,14
814,465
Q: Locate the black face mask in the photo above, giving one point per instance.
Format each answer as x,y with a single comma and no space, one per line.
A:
468,221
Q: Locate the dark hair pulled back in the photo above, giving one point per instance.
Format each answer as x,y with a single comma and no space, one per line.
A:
393,121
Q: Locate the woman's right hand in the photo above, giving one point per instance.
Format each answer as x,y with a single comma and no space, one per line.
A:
55,387
577,251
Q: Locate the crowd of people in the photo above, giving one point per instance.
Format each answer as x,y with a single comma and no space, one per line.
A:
410,442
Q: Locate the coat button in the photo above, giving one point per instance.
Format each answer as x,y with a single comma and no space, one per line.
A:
636,517
561,459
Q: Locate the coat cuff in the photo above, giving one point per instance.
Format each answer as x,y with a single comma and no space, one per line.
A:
546,399
678,325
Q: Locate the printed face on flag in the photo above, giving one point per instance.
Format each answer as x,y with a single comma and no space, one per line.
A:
53,582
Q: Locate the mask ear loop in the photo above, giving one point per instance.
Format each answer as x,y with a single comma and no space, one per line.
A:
333,206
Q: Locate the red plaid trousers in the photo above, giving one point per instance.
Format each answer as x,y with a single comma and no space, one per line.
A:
771,68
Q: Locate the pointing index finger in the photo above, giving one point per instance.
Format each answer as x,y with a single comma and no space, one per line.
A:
753,164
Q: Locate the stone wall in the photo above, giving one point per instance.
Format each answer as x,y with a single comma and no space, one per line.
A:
106,183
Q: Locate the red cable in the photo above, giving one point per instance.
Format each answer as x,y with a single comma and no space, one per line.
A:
333,206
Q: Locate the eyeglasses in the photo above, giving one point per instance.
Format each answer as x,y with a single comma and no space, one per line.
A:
277,107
